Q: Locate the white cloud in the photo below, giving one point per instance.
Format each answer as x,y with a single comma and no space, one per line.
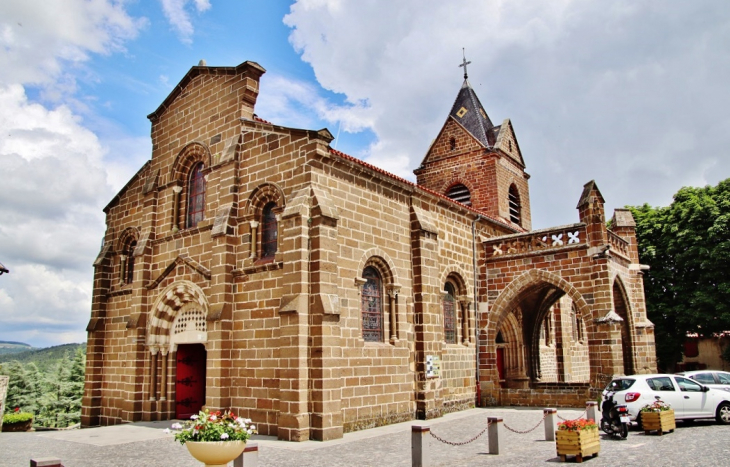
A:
44,42
179,18
630,94
54,170
53,181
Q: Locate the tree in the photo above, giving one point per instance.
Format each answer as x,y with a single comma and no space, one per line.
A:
24,386
687,246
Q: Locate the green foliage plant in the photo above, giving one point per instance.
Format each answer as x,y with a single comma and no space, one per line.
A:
213,426
17,417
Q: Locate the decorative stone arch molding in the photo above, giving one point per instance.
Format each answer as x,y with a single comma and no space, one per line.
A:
179,298
457,276
504,303
621,307
188,156
261,195
381,261
178,317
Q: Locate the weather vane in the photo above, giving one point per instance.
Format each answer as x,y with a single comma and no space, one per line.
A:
464,63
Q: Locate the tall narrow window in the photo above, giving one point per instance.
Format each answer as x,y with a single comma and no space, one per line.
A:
269,231
460,193
449,314
515,208
196,196
372,306
129,265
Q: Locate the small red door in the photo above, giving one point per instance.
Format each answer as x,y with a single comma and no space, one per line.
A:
500,363
190,382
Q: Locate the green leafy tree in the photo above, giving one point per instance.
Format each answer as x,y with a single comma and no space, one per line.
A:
687,246
24,386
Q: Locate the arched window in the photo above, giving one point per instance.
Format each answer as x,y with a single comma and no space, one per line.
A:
460,193
449,305
372,305
269,231
128,272
515,207
196,196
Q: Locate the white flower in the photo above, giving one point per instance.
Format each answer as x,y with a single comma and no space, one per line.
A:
193,417
253,427
166,431
224,436
213,418
176,426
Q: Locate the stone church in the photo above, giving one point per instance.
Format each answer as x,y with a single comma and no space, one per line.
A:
252,266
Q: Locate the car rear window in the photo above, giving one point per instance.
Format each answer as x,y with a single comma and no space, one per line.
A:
704,378
620,384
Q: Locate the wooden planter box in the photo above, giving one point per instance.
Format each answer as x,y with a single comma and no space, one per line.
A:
661,422
20,426
577,443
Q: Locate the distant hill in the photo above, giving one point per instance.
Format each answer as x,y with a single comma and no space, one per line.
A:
10,347
43,358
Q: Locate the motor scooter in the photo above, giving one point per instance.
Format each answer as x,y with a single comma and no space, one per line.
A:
615,417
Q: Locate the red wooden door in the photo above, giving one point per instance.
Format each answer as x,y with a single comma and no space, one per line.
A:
190,380
500,363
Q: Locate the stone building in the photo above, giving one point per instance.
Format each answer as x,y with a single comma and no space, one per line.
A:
250,265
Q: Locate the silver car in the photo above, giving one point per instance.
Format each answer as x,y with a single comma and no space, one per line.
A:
712,378
689,399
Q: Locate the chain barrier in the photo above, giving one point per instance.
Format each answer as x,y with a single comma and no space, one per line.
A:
585,412
531,429
463,443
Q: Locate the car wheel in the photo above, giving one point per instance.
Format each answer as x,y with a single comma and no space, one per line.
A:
723,413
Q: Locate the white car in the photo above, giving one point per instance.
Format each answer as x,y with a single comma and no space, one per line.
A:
689,399
712,378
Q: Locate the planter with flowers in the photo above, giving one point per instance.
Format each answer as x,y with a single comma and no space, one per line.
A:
659,417
577,438
214,438
17,421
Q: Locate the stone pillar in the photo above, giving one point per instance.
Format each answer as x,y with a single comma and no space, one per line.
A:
326,342
591,411
254,239
549,423
163,379
465,303
175,224
392,291
427,316
293,422
153,373
3,394
420,455
495,423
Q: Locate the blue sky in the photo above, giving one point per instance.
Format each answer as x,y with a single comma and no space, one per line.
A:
631,94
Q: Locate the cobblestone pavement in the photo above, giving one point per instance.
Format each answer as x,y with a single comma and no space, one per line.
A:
699,443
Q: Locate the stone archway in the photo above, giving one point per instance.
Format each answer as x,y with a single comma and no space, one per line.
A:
534,316
179,322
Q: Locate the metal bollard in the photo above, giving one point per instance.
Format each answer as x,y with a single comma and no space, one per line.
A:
249,457
591,407
46,462
549,423
419,446
493,434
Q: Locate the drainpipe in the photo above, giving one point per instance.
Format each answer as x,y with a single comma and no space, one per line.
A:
476,307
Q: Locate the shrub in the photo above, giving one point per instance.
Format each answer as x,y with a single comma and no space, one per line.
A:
16,417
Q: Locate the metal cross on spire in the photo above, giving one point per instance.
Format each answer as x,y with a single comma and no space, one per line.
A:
464,63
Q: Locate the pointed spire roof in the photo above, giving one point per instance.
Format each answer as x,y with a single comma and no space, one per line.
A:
469,112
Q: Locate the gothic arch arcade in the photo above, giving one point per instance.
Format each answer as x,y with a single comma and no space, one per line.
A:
560,320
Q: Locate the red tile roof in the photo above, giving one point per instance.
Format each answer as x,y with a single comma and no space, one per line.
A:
419,187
